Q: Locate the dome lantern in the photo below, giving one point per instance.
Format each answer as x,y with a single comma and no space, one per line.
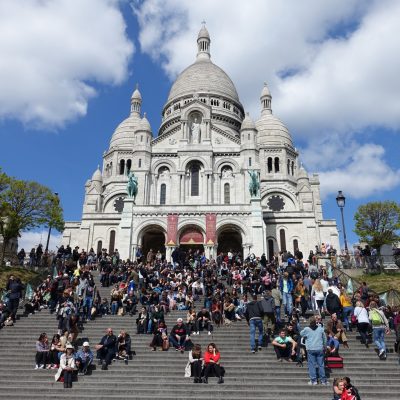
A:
136,101
203,43
266,100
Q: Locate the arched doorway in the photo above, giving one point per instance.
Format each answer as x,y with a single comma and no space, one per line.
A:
230,239
191,241
153,238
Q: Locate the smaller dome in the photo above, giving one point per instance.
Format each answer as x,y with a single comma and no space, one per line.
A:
272,129
97,177
248,123
124,136
203,33
136,95
265,91
144,124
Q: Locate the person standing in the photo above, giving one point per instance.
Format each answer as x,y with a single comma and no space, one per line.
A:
380,326
315,345
286,287
254,315
15,288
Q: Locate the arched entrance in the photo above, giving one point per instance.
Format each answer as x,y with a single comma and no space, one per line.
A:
153,238
191,240
230,239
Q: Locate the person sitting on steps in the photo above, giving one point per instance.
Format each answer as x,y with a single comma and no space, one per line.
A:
284,346
179,335
212,358
84,358
196,363
67,367
106,349
204,321
335,328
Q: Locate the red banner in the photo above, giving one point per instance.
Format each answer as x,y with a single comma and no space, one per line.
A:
172,229
211,229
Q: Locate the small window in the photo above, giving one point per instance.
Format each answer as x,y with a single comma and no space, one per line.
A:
121,167
195,175
282,236
295,245
163,193
99,247
141,138
288,167
227,194
248,136
293,168
112,243
128,166
249,161
140,163
269,165
276,162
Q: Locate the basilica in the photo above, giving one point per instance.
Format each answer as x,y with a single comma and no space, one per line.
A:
193,177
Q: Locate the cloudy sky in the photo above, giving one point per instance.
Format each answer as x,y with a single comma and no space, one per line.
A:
68,68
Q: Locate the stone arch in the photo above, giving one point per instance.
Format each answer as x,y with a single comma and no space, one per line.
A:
110,198
294,206
196,158
227,162
230,237
151,235
161,163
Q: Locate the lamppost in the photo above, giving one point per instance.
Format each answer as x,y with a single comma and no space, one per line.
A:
55,198
341,201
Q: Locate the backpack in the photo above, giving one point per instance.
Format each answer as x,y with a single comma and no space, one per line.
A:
376,318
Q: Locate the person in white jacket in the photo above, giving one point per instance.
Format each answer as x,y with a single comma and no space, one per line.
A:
67,366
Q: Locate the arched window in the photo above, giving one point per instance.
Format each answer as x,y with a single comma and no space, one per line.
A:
163,193
111,245
99,247
292,168
140,163
195,177
249,161
269,164
295,245
227,194
282,237
111,168
121,167
128,166
270,249
288,167
276,164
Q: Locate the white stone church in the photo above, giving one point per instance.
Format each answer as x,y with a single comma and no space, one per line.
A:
193,178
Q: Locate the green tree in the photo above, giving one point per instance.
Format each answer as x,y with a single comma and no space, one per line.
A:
25,205
378,223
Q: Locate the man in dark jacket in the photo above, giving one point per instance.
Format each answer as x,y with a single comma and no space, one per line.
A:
254,315
15,288
179,335
333,304
268,307
106,349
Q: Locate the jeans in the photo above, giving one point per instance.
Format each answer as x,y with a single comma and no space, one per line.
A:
173,340
287,302
379,338
346,312
88,306
278,314
315,359
255,323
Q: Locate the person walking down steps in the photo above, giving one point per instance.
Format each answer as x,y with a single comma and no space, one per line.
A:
254,317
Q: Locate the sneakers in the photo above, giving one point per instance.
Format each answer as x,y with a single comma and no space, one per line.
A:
209,332
259,348
197,333
36,366
326,383
41,366
253,351
381,352
312,383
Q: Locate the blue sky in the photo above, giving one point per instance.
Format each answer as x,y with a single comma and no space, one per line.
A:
332,69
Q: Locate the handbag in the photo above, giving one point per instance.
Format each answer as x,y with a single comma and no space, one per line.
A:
188,370
354,319
120,311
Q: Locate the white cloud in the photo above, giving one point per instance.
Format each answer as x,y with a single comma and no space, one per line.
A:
31,239
52,52
367,173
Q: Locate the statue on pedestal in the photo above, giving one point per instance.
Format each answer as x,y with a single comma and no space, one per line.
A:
254,185
195,132
132,186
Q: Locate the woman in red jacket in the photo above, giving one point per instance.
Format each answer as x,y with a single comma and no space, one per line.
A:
211,363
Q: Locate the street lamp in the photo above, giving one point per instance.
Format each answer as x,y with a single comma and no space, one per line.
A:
55,198
341,201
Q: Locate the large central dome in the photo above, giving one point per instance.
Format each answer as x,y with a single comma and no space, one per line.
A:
203,77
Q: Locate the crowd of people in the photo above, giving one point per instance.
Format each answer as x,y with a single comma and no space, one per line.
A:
275,297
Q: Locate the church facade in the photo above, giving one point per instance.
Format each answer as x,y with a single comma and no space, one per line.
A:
193,178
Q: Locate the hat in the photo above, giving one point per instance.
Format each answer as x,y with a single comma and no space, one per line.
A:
179,320
69,346
86,344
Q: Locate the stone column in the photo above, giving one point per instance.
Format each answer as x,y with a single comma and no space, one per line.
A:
257,227
125,230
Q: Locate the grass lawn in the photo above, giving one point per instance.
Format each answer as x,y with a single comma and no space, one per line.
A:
381,282
20,272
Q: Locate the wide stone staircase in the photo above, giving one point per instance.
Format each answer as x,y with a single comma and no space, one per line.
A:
161,374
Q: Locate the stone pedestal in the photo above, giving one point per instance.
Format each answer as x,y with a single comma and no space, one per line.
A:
257,228
124,237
